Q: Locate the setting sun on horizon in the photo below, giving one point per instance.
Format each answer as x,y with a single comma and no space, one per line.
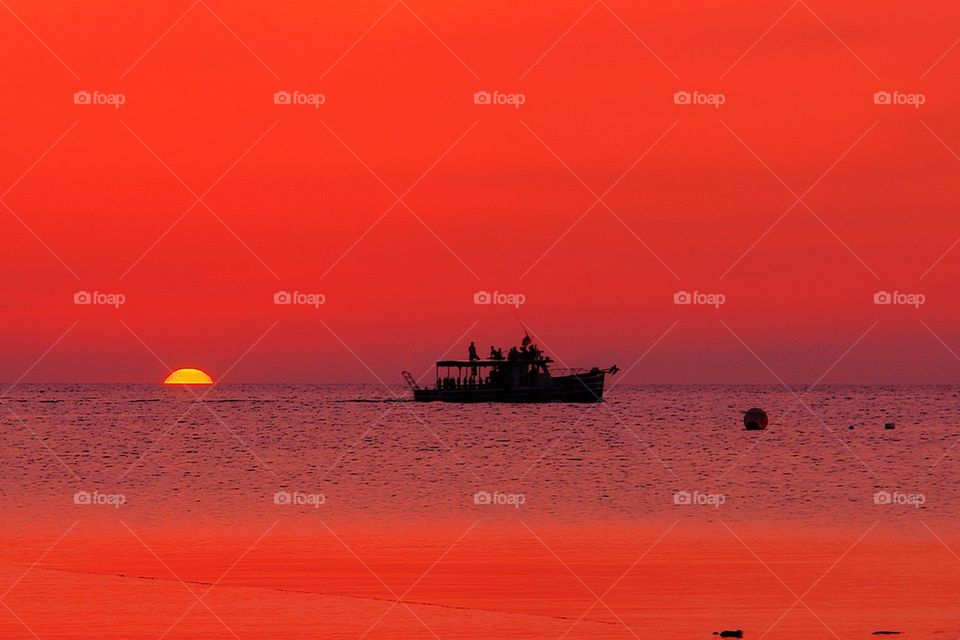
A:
188,375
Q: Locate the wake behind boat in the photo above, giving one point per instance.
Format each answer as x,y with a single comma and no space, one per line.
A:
525,375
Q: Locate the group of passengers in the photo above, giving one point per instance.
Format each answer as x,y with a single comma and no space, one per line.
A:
527,351
497,375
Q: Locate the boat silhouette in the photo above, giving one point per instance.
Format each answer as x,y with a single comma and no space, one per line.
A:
510,380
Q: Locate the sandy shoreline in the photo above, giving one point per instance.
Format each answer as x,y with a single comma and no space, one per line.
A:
680,579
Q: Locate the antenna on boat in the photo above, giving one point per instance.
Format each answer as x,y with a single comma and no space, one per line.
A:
526,332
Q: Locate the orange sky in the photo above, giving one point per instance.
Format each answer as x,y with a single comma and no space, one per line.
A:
297,195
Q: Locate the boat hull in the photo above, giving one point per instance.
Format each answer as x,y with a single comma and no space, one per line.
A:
584,387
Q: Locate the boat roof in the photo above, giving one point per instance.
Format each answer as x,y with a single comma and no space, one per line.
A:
489,363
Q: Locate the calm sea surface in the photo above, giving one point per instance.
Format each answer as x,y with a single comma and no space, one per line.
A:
365,453
138,512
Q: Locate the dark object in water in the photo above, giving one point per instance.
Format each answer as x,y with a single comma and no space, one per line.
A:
887,633
729,634
755,419
850,427
889,425
516,380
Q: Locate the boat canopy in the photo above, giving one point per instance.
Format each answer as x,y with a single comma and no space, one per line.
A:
490,363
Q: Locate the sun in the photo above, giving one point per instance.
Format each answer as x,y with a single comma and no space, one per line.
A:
188,376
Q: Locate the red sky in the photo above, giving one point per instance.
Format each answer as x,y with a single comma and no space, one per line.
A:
297,195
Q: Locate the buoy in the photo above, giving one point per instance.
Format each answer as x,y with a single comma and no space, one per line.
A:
755,419
850,427
889,425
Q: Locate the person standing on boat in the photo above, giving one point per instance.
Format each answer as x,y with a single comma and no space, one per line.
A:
473,356
536,355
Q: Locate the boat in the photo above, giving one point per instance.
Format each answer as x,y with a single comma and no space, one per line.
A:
510,380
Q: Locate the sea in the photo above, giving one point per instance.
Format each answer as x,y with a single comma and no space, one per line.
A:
289,511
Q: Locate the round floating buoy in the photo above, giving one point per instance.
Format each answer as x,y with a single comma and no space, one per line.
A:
889,425
755,419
